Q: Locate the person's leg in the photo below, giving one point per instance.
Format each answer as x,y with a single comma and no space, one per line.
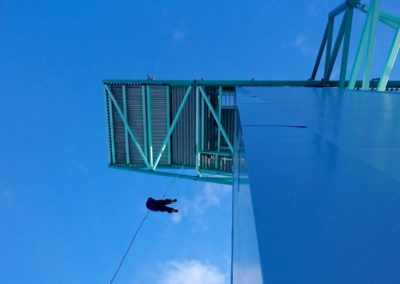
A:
166,201
169,209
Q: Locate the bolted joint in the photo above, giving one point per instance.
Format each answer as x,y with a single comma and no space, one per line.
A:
353,3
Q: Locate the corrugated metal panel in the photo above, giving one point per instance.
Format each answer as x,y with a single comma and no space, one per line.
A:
211,132
119,130
159,121
228,122
210,125
135,120
183,139
107,105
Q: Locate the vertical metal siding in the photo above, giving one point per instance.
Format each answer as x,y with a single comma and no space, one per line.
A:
135,121
183,138
159,121
119,130
108,125
210,125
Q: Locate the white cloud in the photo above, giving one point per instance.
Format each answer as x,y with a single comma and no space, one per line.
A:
192,272
302,45
208,196
177,217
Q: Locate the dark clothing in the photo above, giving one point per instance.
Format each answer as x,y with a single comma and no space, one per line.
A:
159,205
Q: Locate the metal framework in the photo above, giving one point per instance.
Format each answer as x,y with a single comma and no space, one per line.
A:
212,104
365,47
150,154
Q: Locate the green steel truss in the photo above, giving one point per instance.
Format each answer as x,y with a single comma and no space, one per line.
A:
365,46
151,160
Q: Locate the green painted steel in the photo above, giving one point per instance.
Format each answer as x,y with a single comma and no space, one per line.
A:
197,161
216,83
202,124
328,47
219,131
220,180
144,113
390,62
233,83
339,9
149,128
216,172
127,157
107,102
111,128
366,44
168,123
171,129
385,18
346,44
216,119
225,154
371,43
335,51
321,50
121,114
360,52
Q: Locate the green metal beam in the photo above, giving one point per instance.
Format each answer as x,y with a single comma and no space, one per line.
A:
216,118
390,61
335,51
168,123
216,83
328,47
202,124
221,180
339,9
171,129
219,131
239,83
127,157
216,172
144,114
346,45
371,43
106,104
225,154
197,160
121,114
321,50
149,128
360,52
385,18
372,84
111,128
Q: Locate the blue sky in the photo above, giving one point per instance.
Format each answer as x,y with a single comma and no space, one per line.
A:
64,216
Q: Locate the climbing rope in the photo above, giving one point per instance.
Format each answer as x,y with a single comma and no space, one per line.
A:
138,229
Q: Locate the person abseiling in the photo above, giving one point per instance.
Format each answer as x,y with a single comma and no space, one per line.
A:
160,205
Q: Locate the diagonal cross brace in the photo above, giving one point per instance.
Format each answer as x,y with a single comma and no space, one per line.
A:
335,51
390,61
121,114
171,129
385,18
216,118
